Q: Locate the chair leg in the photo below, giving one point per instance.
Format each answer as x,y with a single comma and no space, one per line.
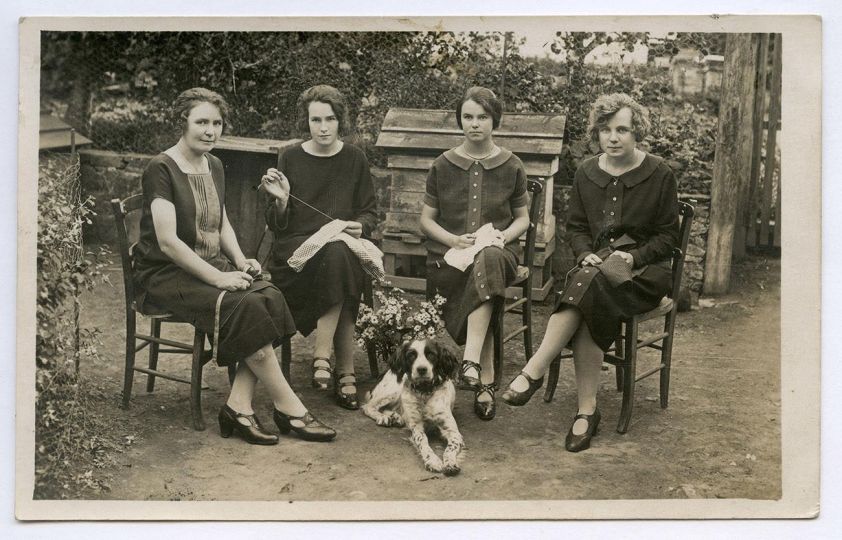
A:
286,357
196,381
527,322
552,379
155,331
497,328
629,374
666,358
618,370
128,376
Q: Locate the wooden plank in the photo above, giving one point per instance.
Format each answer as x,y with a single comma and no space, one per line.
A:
441,142
403,222
771,141
402,248
51,140
409,202
750,216
254,145
530,124
409,180
732,161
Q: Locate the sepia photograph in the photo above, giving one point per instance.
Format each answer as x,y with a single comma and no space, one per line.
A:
427,268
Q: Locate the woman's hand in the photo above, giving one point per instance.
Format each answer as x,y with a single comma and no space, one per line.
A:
251,267
463,241
233,281
591,260
626,256
276,185
354,228
499,239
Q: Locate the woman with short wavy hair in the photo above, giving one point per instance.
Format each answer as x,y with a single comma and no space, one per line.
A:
623,226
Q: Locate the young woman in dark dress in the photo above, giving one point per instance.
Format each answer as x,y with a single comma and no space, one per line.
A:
623,205
328,180
188,254
467,187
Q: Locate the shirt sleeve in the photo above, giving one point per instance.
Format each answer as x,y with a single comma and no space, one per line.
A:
365,202
157,183
431,193
519,197
578,227
663,235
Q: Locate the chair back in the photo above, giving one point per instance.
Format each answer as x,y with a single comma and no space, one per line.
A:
535,187
685,218
127,221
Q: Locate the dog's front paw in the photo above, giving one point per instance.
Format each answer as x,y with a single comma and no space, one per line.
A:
396,420
451,469
384,421
433,465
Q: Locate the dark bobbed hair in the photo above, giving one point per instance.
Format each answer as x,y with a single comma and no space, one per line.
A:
606,106
192,97
322,93
486,99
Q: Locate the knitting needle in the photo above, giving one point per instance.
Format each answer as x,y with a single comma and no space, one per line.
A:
260,188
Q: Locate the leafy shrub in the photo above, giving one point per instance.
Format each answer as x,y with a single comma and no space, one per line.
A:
65,432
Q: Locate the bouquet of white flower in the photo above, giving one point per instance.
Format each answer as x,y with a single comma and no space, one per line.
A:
396,320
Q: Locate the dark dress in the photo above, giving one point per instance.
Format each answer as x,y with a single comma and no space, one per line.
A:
641,204
248,319
468,194
340,186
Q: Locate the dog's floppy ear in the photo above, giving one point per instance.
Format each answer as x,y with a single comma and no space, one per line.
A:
447,363
397,363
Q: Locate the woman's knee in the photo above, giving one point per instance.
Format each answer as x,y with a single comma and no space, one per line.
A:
334,253
492,255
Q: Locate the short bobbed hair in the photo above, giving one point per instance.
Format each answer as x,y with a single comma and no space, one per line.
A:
486,99
606,106
322,93
191,98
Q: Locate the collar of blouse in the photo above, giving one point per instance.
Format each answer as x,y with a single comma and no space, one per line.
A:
629,178
488,163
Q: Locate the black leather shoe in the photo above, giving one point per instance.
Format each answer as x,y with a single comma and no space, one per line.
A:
252,433
485,410
577,443
310,429
467,382
515,398
322,373
346,400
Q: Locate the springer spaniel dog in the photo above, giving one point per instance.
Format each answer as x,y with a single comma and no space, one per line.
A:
418,391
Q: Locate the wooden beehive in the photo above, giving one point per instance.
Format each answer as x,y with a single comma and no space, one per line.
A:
413,138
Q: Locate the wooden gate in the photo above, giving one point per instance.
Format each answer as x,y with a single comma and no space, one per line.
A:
763,213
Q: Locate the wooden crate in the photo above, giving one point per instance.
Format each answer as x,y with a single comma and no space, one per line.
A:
413,138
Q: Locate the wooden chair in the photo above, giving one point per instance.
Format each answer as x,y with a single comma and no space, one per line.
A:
624,353
521,304
127,220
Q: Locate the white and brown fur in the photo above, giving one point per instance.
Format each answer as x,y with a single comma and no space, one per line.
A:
418,391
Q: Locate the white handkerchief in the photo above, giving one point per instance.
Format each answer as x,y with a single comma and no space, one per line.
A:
463,258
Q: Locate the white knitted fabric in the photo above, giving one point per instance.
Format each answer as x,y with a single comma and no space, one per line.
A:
463,258
371,258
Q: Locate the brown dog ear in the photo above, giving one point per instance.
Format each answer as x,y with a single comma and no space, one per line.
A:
450,366
397,363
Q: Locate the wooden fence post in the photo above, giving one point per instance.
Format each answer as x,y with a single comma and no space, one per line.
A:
757,140
732,164
771,145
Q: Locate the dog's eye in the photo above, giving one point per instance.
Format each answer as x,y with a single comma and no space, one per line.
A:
411,355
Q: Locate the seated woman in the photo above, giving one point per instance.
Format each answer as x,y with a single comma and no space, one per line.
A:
623,225
475,184
184,262
328,180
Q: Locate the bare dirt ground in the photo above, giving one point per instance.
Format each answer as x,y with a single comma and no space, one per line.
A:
719,438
